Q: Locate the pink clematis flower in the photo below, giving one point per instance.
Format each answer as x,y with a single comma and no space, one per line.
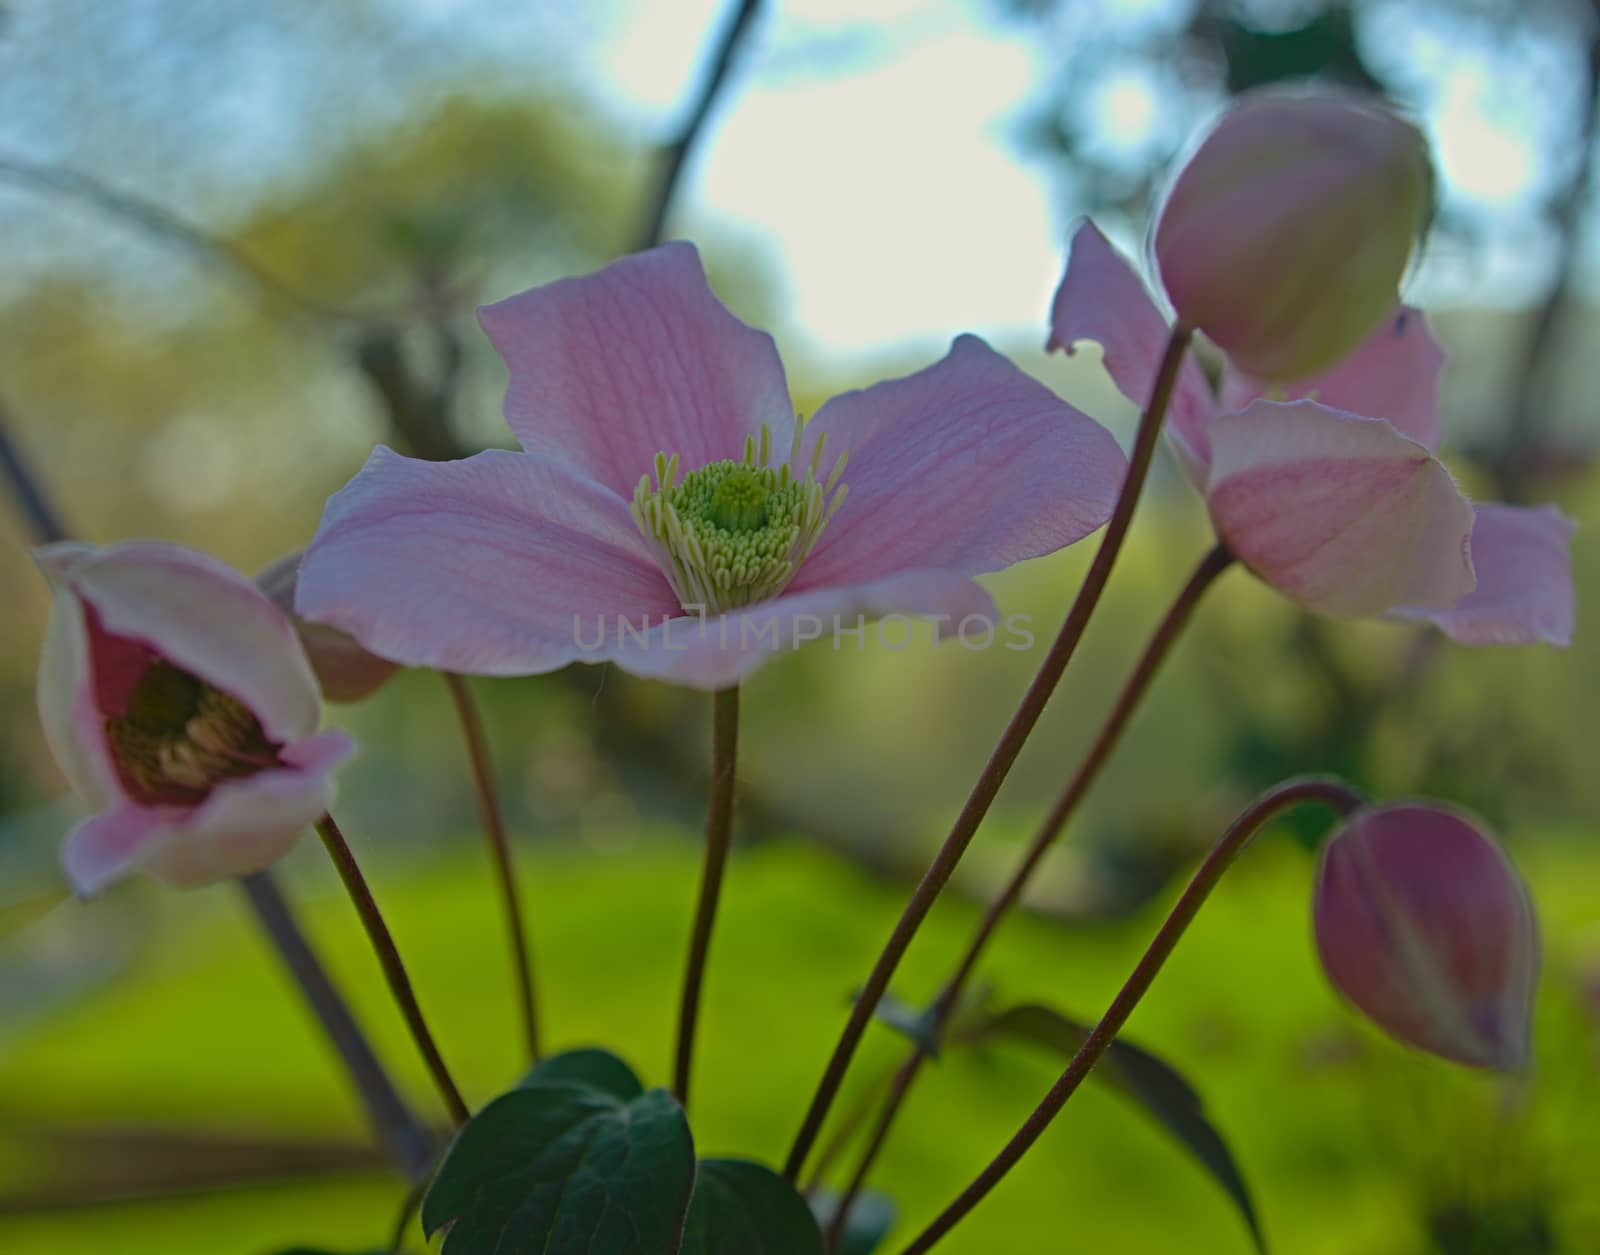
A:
669,513
1424,925
1331,492
180,705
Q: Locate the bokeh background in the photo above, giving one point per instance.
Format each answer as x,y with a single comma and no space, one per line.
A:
243,243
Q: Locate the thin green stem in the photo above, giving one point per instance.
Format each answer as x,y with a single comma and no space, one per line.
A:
394,970
494,828
1333,794
1167,631
1004,755
719,837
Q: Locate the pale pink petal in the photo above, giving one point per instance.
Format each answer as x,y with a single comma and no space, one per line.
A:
1393,375
63,686
968,466
487,565
636,359
106,847
716,652
248,824
1342,514
1524,591
1102,299
201,615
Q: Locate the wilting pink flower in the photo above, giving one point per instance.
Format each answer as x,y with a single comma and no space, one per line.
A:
180,706
669,512
1285,236
1332,493
1424,925
345,672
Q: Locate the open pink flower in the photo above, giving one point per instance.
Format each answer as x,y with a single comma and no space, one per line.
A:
1331,492
180,706
670,514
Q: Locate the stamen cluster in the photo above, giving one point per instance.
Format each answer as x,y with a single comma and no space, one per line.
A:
180,736
733,533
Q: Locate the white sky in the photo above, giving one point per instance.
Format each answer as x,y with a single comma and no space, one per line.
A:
875,157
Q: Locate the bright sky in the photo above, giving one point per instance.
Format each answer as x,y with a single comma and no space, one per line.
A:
877,158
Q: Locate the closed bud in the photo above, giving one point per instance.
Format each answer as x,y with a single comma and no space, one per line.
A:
1425,926
1286,235
345,671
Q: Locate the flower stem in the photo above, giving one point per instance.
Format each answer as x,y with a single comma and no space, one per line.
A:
400,1133
1004,755
719,836
1330,793
394,969
1167,631
494,828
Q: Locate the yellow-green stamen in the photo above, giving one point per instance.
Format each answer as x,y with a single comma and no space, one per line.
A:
731,534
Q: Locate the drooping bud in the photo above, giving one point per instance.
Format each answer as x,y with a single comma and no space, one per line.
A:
345,671
1286,235
1425,926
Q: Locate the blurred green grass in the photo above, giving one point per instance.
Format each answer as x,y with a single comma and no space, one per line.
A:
1346,1139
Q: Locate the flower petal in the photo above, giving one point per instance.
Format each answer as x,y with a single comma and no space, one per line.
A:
200,614
1393,375
1102,299
486,565
248,824
717,652
1342,514
106,847
639,358
968,465
1524,591
71,728
245,825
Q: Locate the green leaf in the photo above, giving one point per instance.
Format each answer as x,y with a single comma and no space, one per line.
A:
916,1024
1151,1083
743,1208
566,1167
592,1067
869,1222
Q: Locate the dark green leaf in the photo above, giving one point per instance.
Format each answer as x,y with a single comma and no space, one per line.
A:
565,1167
869,1222
916,1024
1152,1084
743,1208
591,1066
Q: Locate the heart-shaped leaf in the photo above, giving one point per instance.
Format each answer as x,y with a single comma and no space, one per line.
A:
870,1219
744,1208
591,1066
1151,1083
566,1167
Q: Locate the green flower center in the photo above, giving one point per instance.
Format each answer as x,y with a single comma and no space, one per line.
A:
731,534
179,737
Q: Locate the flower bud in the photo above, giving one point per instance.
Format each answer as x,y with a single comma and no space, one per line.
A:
1285,236
345,671
1424,925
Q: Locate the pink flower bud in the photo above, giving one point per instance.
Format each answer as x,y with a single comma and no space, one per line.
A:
345,671
1424,925
1285,236
181,708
